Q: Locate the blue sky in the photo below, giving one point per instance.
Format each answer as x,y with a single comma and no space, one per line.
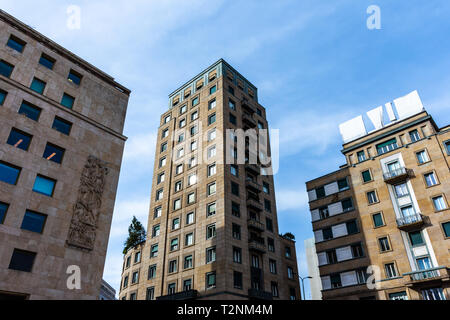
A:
315,64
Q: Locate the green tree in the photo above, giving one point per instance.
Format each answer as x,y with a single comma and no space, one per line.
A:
289,236
136,234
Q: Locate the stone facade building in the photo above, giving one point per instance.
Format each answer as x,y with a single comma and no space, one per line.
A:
61,146
387,208
212,227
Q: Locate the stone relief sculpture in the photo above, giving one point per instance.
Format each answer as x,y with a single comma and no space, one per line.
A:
86,210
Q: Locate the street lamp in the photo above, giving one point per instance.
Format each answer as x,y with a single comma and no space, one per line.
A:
303,286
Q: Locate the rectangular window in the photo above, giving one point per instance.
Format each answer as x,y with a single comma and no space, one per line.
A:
390,270
414,135
62,125
377,220
22,260
352,228
347,205
155,231
447,147
187,284
211,209
179,169
19,139
287,252
154,251
270,244
430,179
182,123
210,254
231,104
188,262
33,221
171,288
233,119
177,204
210,280
290,272
161,177
343,184
174,244
16,43
211,119
175,223
231,90
152,271
234,170
9,173
159,194
3,210
2,97
274,289
335,281
195,101
237,255
273,266
192,179
266,188
194,130
235,189
366,176
189,239
446,228
194,115
172,266
416,238
439,203
211,189
47,61
212,152
162,162
190,218
320,192
433,294
30,111
150,294
387,146
237,280
67,101
74,77
210,231
213,89
191,198
53,153
167,118
125,282
211,170
267,205
157,213
236,231
212,104
44,185
134,279
372,197
384,244
422,157
361,156
269,224
38,85
6,69
235,209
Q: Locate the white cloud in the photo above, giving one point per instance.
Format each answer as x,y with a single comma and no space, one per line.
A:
123,213
291,199
140,146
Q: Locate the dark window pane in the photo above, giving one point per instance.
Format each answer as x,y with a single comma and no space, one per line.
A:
377,220
30,111
327,233
19,139
67,101
62,125
366,176
2,97
53,153
342,184
33,221
6,68
9,173
351,227
47,61
22,260
320,192
3,209
416,238
347,205
446,227
44,185
74,77
38,85
16,44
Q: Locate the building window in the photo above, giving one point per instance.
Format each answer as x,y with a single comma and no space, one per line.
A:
237,255
212,135
416,238
172,266
235,209
387,146
162,162
33,221
231,104
212,104
188,262
2,96
211,189
234,170
323,212
231,90
161,177
159,194
192,162
287,252
175,223
352,228
74,77
177,204
179,169
269,224
164,133
19,139
272,266
189,239
180,153
211,170
430,179
171,288
212,152
127,264
152,272
195,101
174,244
30,111
192,179
178,186
167,118
150,294
439,203
155,231
210,254
53,153
390,270
210,280
290,272
22,260
447,147
233,119
274,289
191,198
44,185
384,244
181,138
47,61
6,69
3,209
335,281
361,156
154,251
235,189
190,218
187,284
16,43
372,197
320,192
377,220
343,184
422,157
62,125
38,85
236,230
157,212
267,205
414,135
211,209
194,130
183,109
210,231
270,244
213,89
366,176
266,188
67,101
135,278
237,280
211,119
125,282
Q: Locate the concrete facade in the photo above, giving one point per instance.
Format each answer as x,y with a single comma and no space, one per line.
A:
217,99
75,217
400,210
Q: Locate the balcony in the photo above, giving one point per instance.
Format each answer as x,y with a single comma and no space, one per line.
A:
255,224
257,244
252,168
248,121
252,185
253,202
185,295
428,275
397,175
409,223
259,294
246,106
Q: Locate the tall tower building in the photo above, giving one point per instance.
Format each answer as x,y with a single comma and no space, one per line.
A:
61,145
386,208
212,227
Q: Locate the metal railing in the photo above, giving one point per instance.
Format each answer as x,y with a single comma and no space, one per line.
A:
255,224
184,295
408,220
259,294
427,274
400,172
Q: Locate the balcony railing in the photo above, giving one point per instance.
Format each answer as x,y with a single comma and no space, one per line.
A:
397,175
248,120
185,295
259,294
252,167
428,274
409,222
257,245
252,185
255,224
247,106
253,202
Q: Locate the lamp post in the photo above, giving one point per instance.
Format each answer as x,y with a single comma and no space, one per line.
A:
303,286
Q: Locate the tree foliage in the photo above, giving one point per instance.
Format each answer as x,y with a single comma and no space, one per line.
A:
289,236
136,234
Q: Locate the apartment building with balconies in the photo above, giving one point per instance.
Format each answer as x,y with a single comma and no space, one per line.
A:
61,145
398,177
212,226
